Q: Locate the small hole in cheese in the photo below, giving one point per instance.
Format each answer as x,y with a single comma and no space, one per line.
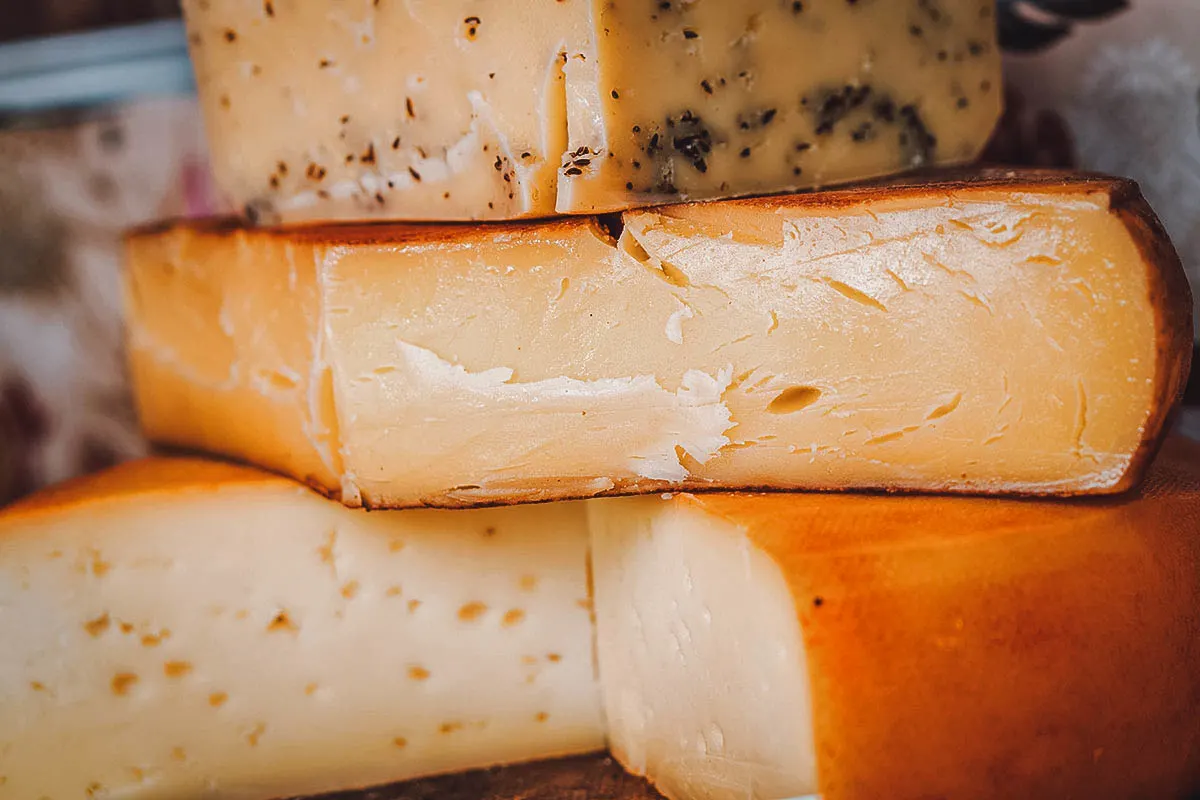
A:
513,616
418,673
217,699
255,733
122,682
946,407
793,399
400,741
177,669
282,622
471,611
98,625
542,716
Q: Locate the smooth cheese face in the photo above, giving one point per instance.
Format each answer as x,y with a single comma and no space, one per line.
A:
323,110
179,629
706,689
860,647
953,337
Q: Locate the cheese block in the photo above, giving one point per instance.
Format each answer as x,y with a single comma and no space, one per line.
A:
463,109
177,629
1008,332
868,647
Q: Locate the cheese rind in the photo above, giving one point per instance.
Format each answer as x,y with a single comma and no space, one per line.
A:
863,647
184,629
323,110
1023,333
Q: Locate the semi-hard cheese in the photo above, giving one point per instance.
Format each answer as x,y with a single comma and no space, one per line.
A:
881,647
463,109
1000,334
179,629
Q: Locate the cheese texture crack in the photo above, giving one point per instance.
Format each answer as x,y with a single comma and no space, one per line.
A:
460,109
1024,333
189,629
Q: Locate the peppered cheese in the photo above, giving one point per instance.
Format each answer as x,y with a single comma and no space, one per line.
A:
858,647
1023,333
175,628
469,110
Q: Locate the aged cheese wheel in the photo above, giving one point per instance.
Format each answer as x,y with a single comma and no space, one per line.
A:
1004,332
462,109
176,629
862,647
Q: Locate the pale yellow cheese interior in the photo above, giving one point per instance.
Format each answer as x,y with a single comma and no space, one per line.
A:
250,639
963,339
464,109
698,642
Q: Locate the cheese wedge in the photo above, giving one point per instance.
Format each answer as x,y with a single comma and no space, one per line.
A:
868,647
1007,333
179,629
462,109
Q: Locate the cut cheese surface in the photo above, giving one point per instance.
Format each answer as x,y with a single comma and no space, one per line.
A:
1011,332
771,646
464,109
178,629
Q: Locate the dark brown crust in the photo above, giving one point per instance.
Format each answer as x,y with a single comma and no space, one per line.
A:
932,181
595,777
1171,297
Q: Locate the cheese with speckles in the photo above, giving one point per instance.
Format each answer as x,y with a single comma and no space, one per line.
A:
180,629
464,109
1000,333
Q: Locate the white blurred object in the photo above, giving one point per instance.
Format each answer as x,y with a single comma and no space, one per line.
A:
74,175
1128,88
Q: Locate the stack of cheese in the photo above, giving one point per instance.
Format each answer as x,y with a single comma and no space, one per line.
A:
181,628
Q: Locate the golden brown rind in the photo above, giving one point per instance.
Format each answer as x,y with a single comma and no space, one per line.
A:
990,648
1171,297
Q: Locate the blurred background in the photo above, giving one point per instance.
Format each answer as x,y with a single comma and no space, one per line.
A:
99,133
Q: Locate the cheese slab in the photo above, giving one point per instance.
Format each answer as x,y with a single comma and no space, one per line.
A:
175,628
458,109
862,647
1010,332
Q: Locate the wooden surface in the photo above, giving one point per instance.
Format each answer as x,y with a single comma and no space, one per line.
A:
595,777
